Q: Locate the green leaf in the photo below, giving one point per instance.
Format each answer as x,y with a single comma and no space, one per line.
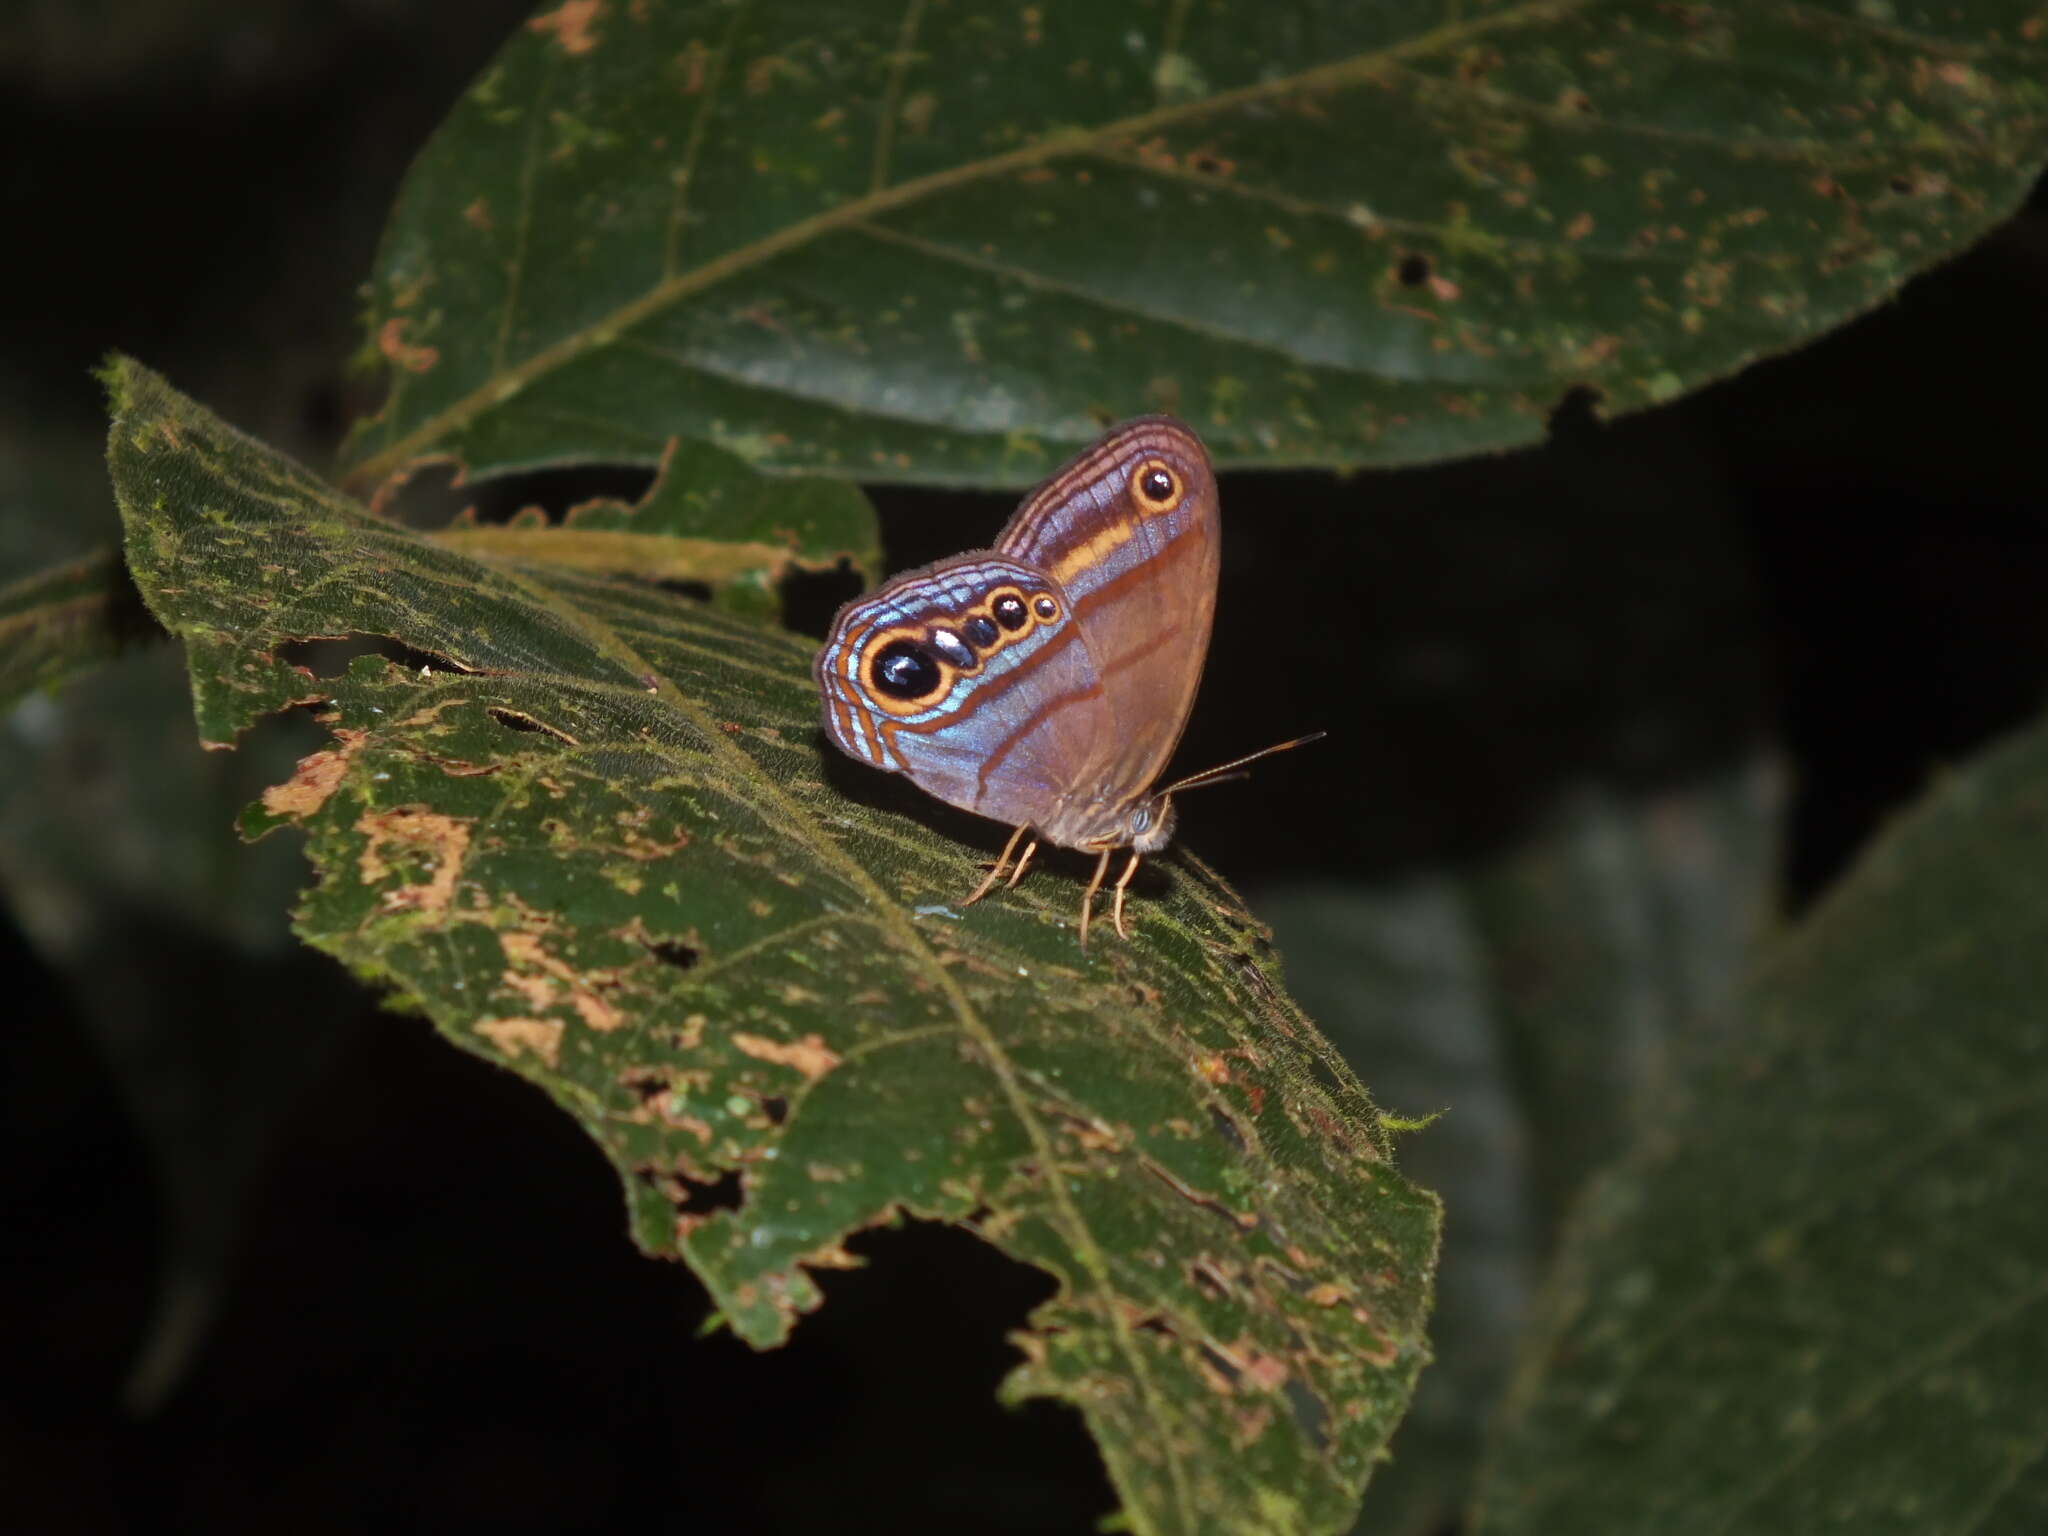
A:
709,517
1615,936
1812,1298
1530,1001
587,829
937,242
64,621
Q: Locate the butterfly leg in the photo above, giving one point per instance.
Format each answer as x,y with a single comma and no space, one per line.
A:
1123,881
1001,863
1023,864
1088,898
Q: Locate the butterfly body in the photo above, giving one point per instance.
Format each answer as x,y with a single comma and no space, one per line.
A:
1045,682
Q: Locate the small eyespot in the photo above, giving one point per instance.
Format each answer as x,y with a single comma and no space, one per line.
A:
981,633
1156,486
952,647
1009,612
903,669
1045,607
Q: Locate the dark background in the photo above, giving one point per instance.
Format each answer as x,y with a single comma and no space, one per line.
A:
425,1312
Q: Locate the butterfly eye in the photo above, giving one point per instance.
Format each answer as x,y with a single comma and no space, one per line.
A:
903,669
1155,486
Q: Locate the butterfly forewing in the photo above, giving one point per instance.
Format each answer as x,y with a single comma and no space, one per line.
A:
1140,572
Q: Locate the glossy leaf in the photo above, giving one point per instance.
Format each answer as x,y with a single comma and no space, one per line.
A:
940,242
587,828
1812,1299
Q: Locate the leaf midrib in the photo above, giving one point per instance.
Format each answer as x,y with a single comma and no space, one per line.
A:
887,914
1057,144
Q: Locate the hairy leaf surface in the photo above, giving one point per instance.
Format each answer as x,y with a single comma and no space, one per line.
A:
588,829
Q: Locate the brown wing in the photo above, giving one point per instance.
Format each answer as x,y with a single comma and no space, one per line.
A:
1131,533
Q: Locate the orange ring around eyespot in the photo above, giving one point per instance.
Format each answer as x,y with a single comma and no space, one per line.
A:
874,698
1159,504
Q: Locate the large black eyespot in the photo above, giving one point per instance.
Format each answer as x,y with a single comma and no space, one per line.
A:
1156,486
1009,611
952,647
1046,608
980,633
903,669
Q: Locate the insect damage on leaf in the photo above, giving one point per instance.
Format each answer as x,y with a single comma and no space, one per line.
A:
702,943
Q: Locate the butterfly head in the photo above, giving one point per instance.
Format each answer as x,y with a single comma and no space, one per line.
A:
1150,825
1144,827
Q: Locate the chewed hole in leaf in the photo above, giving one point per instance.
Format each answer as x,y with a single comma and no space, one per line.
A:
1205,1278
675,952
1227,1129
1413,271
331,655
1576,415
515,720
438,495
810,598
1309,1412
702,1197
1220,1363
776,1108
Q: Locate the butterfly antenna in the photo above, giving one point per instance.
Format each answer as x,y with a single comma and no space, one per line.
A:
1223,773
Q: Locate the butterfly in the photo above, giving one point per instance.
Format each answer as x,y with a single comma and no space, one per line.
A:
1045,682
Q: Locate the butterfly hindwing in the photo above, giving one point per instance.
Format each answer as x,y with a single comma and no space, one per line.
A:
971,677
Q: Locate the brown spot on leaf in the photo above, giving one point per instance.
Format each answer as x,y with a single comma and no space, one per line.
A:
477,215
442,841
533,1037
761,73
570,22
403,354
810,1055
1261,1371
526,949
314,779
